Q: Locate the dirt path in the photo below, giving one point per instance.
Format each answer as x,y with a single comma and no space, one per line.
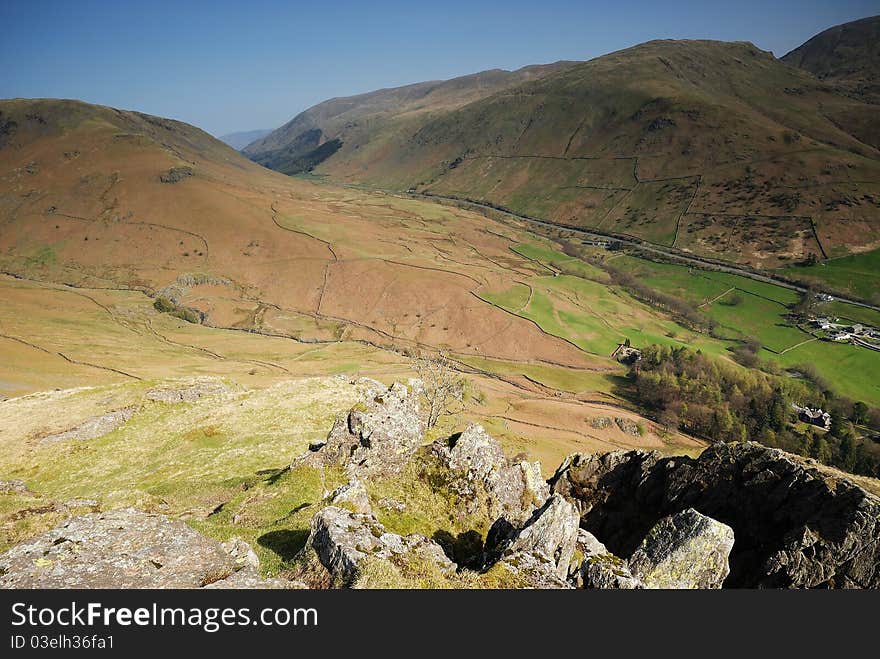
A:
798,345
715,299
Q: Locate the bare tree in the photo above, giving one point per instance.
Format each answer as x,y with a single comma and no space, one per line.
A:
443,387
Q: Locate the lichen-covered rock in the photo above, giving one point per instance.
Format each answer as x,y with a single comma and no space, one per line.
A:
600,569
352,495
249,578
247,574
533,570
685,550
117,549
477,466
242,553
550,532
341,539
377,437
797,525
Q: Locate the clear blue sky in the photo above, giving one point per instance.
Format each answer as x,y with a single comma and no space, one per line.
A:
229,66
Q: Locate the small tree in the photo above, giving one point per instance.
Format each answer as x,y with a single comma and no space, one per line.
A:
443,388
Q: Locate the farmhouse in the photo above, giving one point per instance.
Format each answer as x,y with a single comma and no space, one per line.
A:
626,354
815,417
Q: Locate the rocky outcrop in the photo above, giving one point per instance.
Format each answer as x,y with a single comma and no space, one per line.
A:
685,550
377,437
15,486
340,540
125,549
476,466
599,568
542,549
176,174
188,393
796,525
92,428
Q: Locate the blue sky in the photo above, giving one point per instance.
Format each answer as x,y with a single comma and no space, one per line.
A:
229,66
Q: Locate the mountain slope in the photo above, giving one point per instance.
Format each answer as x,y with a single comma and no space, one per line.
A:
356,118
846,55
240,140
100,197
716,148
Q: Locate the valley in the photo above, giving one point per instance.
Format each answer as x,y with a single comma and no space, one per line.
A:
671,250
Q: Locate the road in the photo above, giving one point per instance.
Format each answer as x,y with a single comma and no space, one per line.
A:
650,248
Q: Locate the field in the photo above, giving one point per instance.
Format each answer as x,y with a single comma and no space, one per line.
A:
857,275
747,308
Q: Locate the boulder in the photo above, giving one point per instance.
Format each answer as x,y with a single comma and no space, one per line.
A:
477,466
600,569
120,549
247,575
685,550
376,438
797,524
550,533
341,539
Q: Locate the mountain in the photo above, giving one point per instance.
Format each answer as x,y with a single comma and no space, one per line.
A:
847,56
715,148
240,140
354,118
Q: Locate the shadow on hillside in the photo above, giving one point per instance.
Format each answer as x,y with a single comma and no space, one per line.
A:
286,544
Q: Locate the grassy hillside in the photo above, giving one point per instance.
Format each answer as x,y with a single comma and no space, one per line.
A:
716,148
354,119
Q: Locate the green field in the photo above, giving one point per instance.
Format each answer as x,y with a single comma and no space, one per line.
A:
858,274
760,314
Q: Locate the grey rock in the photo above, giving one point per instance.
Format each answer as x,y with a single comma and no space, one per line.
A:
242,553
685,550
628,426
600,569
341,539
15,486
550,532
377,437
93,428
352,495
116,549
176,174
188,393
390,503
535,570
477,464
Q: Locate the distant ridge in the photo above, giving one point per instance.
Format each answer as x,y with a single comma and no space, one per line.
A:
241,139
